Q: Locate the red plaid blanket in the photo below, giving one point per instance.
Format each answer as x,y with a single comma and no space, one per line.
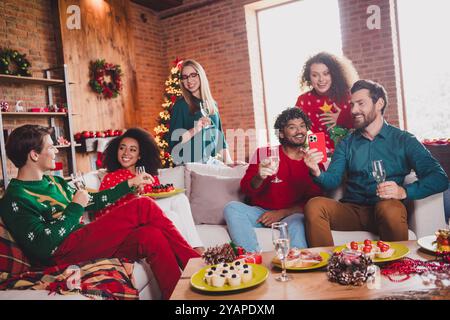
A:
103,279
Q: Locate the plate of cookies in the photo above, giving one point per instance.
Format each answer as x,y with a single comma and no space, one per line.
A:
225,277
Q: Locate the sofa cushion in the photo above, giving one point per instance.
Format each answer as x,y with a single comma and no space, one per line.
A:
172,175
12,259
211,170
210,194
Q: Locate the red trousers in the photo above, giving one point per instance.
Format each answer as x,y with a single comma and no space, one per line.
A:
138,229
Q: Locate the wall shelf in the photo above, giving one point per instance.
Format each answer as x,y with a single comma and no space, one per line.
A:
49,82
34,114
30,80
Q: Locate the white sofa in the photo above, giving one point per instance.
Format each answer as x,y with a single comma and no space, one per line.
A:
424,218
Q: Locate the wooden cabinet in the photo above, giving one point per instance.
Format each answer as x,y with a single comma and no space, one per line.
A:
60,120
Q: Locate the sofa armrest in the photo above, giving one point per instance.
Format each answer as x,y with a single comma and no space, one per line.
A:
426,216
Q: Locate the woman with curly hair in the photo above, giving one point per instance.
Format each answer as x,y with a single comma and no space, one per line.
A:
327,80
136,147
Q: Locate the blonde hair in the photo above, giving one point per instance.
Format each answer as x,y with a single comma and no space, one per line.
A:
205,92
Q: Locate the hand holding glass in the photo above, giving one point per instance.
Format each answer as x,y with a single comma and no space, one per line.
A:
378,171
280,238
78,181
205,113
274,158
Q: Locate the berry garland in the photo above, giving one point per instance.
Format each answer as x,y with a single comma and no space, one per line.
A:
100,69
10,57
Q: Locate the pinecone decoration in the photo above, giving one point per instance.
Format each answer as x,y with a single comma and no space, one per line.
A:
349,268
219,254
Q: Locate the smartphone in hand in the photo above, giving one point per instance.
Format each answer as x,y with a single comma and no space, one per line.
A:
317,141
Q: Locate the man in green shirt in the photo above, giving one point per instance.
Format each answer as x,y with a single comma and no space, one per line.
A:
366,204
43,214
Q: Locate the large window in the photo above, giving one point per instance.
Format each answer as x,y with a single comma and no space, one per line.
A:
424,29
289,35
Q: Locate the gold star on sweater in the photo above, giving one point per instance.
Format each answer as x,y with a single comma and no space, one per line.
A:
326,107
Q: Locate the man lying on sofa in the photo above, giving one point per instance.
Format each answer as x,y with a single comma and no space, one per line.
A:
367,205
272,202
43,214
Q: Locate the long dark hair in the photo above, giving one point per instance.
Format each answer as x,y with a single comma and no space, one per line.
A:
342,71
148,149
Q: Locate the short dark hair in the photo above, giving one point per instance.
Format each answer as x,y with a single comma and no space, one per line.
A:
376,91
289,114
148,149
23,140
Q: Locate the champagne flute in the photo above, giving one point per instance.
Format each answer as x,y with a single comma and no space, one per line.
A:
281,242
140,169
78,180
206,112
79,183
378,171
274,158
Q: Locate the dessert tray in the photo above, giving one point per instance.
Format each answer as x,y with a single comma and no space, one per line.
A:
164,194
215,279
393,252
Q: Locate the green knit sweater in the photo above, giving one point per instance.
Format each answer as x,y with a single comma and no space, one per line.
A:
41,214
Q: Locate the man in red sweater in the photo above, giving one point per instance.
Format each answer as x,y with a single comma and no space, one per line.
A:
272,202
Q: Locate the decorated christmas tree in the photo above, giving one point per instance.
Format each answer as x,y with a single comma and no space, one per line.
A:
173,91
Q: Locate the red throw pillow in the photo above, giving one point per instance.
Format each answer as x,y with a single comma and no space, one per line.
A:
12,259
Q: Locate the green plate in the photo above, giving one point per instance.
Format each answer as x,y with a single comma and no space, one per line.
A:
164,194
325,257
260,274
400,251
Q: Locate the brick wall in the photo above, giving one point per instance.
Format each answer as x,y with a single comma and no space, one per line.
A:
28,27
150,64
373,52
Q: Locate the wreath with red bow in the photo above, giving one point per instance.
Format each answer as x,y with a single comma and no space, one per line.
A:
106,78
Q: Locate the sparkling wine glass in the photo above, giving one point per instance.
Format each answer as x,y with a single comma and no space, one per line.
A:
140,169
378,171
274,158
80,184
280,238
206,112
78,180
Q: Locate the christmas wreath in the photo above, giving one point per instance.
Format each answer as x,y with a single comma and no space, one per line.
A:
14,63
102,71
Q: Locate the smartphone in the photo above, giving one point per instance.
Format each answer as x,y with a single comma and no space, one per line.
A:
317,141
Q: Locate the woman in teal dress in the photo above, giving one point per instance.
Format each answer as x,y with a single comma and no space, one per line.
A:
195,135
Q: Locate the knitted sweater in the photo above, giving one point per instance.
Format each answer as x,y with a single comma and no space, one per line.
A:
41,214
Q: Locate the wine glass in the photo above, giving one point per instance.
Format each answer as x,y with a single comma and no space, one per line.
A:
206,112
80,184
78,180
140,169
281,242
274,158
378,171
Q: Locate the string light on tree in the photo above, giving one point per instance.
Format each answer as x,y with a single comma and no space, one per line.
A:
172,92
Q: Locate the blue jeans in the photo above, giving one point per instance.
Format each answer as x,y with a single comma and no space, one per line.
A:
241,219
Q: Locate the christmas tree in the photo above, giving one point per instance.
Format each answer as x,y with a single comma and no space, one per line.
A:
173,91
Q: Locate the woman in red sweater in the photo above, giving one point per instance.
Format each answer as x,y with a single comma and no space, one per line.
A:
136,147
327,80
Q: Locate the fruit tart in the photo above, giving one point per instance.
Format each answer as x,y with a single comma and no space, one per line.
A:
442,240
381,250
